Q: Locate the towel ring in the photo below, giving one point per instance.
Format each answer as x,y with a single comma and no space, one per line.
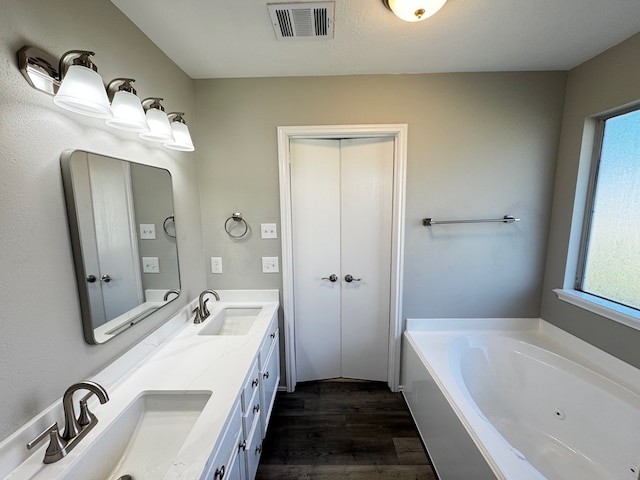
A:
236,217
165,225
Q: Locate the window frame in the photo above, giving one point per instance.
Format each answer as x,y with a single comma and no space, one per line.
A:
603,306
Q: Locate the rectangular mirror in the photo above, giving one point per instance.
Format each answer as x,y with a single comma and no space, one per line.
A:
123,238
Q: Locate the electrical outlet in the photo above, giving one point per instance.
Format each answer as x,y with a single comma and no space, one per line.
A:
150,265
216,264
147,231
268,230
270,265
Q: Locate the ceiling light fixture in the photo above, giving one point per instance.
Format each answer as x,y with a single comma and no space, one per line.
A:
159,128
414,10
128,113
182,138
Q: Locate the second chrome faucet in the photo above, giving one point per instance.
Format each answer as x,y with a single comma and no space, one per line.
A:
201,311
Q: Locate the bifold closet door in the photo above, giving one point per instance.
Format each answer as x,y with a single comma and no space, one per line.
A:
366,216
341,193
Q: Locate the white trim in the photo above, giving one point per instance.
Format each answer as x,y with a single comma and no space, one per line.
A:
133,232
606,308
399,133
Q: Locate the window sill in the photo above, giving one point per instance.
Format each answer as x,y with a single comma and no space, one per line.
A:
613,311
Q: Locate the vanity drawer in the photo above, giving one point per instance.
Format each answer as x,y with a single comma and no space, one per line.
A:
251,413
254,450
270,339
251,386
269,379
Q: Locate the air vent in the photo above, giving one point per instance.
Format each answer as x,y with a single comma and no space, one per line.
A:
302,21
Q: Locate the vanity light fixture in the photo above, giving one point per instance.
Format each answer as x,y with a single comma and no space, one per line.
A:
128,113
157,120
414,10
182,138
75,85
74,80
82,90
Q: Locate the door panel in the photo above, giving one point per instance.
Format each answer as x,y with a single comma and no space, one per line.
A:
315,210
367,197
117,250
342,199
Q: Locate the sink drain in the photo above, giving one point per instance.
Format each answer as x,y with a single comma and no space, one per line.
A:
125,477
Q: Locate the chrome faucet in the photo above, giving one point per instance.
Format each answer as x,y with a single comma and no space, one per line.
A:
169,292
201,311
74,428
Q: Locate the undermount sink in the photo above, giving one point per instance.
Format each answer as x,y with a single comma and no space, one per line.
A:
143,441
231,321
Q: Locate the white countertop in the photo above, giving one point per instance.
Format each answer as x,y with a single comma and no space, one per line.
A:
184,362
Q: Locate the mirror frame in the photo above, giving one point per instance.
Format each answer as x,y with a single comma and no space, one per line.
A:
92,334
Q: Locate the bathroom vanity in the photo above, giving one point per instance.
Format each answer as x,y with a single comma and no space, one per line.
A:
197,405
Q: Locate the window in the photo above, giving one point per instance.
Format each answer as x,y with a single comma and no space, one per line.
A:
610,256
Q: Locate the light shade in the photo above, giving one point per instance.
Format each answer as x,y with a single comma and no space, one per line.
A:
158,122
182,138
82,91
128,113
414,10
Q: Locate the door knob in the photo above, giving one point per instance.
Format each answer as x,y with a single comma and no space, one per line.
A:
349,278
332,278
106,278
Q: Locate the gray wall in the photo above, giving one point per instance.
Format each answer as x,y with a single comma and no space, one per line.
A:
42,350
480,145
607,81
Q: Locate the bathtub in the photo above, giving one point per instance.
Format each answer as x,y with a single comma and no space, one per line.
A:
520,399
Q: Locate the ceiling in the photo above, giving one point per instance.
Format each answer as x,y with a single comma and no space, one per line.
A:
235,38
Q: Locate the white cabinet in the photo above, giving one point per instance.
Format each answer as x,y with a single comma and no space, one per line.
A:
238,453
225,461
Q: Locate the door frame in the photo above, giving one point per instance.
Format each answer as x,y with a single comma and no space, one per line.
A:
399,133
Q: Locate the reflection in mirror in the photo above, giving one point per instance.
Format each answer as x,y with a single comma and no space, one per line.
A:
123,237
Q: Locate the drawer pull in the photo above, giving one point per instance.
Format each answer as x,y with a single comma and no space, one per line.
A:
273,335
255,382
256,408
219,475
259,449
266,375
243,446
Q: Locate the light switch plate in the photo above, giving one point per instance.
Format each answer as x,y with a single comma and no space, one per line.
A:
147,231
216,264
270,265
150,265
268,230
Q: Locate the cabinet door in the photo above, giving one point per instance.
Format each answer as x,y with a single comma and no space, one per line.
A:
234,469
227,450
270,375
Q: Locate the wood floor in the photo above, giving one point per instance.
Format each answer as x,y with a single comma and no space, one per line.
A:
342,429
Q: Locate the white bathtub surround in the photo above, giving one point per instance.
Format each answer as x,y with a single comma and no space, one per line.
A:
172,359
533,401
